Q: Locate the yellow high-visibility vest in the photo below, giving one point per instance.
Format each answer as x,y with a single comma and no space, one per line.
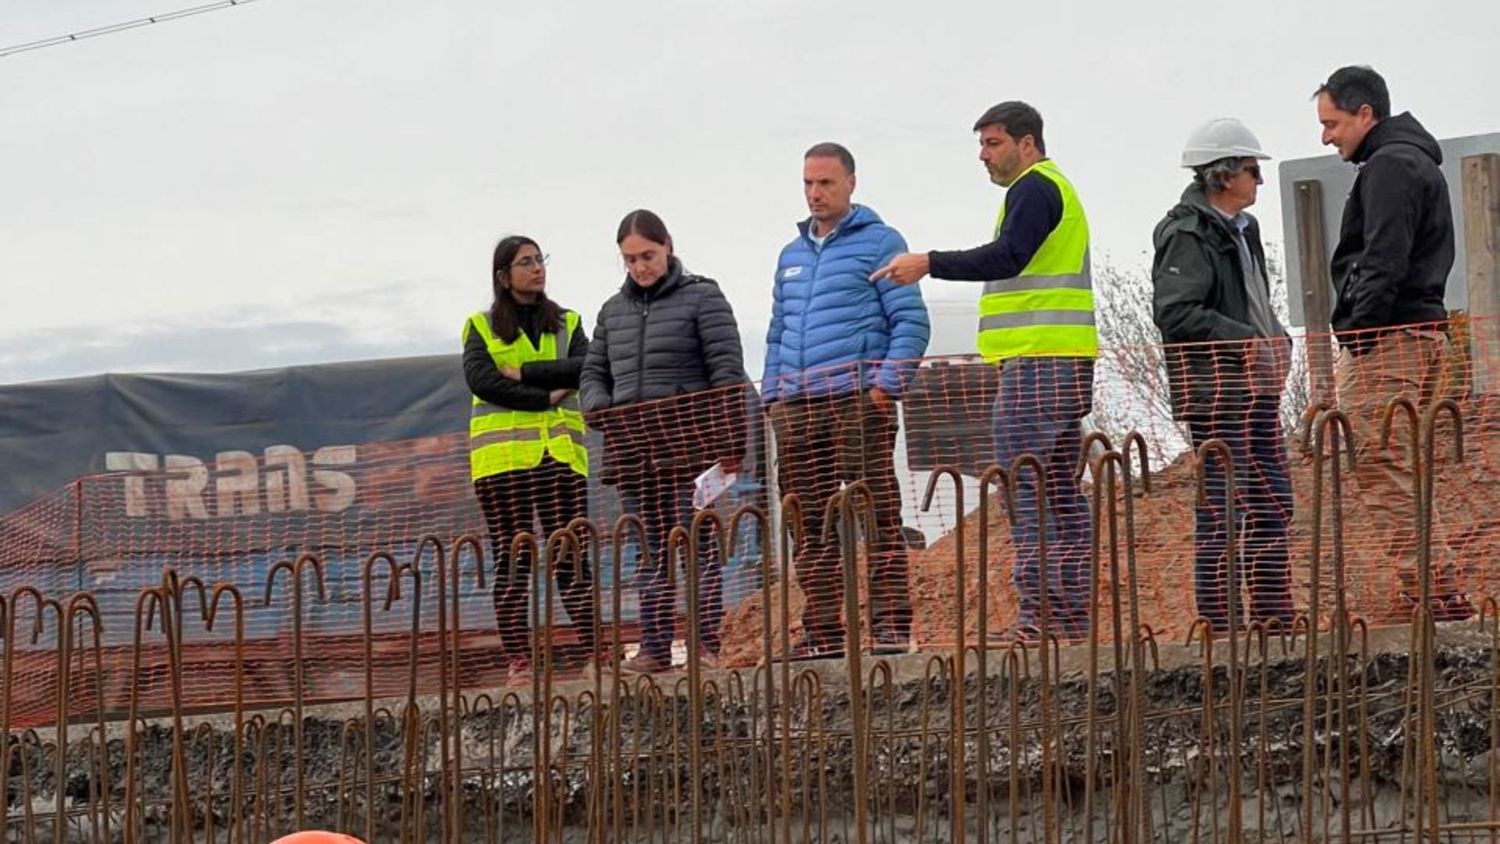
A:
1047,310
505,440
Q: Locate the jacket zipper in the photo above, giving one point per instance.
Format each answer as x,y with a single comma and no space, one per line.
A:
640,369
812,292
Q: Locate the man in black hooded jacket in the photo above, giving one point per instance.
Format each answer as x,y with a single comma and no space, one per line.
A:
1390,271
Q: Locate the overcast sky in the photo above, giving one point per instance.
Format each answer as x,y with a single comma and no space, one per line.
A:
311,180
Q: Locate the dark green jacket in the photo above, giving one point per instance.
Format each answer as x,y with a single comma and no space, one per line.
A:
1200,306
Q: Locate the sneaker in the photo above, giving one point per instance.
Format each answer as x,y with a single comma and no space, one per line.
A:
579,658
1452,608
889,643
518,672
603,657
707,658
1444,607
644,663
1019,633
1072,629
521,671
809,648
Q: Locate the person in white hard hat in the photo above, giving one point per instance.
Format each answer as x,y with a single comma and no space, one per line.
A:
1227,355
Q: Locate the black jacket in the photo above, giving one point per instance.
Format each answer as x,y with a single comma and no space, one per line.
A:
538,378
1396,240
1200,305
675,338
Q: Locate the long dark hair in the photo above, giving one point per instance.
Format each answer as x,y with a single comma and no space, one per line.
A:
646,224
503,309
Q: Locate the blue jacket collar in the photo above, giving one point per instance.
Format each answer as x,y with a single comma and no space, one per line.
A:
858,217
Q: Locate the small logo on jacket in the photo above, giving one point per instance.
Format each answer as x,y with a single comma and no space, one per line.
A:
792,272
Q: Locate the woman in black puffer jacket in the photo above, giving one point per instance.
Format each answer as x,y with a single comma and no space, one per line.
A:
664,379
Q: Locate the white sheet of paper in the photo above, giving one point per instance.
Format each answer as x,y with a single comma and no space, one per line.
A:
708,486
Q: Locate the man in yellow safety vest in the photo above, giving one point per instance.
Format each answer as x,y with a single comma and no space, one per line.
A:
1036,321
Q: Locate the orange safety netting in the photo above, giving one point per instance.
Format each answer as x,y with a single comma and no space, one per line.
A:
233,518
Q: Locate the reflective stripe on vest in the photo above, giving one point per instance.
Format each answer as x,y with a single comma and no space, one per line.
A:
503,439
518,435
1047,310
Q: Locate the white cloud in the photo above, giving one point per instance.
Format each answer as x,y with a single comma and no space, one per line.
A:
272,165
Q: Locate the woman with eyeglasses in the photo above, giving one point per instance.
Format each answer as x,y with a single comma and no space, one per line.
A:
665,381
522,359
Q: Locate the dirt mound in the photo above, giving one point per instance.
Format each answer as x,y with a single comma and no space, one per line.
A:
1467,534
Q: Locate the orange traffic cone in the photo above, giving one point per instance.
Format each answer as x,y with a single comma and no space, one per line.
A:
317,836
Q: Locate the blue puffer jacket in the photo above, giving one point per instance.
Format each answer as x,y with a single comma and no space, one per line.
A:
828,316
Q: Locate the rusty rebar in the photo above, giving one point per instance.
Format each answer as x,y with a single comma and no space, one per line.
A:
843,505
81,605
295,570
789,536
711,520
993,475
454,806
1221,449
762,522
629,524
744,756
41,604
394,572
1050,765
591,544
960,627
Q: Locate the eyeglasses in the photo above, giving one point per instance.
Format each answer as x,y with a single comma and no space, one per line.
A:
532,261
1252,169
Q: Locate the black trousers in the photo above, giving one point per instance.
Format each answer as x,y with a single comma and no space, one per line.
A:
541,500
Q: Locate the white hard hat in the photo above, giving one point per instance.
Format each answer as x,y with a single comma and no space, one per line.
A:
1222,137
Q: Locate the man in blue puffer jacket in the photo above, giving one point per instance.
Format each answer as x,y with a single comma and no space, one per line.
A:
838,356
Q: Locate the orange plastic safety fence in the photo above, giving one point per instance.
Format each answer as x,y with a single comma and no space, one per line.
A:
236,518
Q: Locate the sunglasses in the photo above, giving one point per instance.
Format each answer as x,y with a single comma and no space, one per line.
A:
1252,169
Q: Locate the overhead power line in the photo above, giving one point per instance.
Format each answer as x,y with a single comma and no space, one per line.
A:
121,27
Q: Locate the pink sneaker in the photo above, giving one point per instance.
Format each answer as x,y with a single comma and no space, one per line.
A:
707,658
644,663
518,672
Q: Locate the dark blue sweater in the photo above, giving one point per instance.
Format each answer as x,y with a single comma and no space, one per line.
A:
1033,208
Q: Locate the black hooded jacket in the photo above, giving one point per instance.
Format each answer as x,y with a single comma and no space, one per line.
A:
1396,240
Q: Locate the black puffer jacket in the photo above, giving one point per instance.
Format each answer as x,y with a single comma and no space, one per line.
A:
1396,240
675,338
1201,307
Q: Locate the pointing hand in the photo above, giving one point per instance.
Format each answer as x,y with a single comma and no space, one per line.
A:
904,269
